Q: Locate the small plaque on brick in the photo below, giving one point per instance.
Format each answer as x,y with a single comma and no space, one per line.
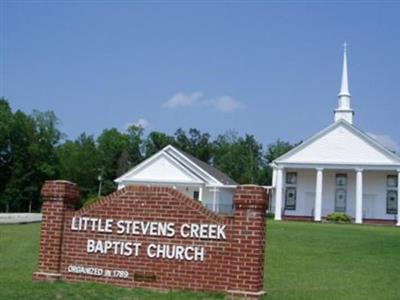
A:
144,277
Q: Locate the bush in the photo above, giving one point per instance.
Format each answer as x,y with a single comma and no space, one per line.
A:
270,215
339,217
91,200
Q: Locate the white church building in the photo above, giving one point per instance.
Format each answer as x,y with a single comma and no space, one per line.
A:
171,167
339,169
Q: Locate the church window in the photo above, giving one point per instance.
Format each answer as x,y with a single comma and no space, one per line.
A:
291,178
340,204
391,181
341,193
291,190
391,194
290,203
341,180
391,202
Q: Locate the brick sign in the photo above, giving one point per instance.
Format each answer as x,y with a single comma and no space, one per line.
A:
154,237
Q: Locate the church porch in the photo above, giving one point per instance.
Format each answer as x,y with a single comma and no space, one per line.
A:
366,194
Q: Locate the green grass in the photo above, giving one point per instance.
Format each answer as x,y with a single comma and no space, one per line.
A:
332,261
304,261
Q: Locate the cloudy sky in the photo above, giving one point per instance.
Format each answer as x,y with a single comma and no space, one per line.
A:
268,69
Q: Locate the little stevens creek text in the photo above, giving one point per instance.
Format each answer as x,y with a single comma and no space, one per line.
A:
148,228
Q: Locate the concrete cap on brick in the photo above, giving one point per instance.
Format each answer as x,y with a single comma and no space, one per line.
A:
60,190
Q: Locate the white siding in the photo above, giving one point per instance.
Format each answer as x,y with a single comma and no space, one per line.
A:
374,194
161,169
224,196
224,199
187,190
305,193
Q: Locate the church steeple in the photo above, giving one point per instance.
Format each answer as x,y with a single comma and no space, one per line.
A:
344,110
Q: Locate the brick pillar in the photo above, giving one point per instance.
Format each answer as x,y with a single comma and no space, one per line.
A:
247,265
59,196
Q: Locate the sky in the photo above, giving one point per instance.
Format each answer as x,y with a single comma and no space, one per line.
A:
271,69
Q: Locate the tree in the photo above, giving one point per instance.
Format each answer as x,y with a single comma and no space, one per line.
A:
197,144
47,136
253,159
33,159
156,141
111,145
30,153
274,151
6,123
134,148
84,160
21,184
182,141
80,163
277,149
240,158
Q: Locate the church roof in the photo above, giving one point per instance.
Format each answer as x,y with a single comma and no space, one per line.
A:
172,165
341,143
220,176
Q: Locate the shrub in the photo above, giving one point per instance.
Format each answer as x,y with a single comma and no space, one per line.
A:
91,200
270,215
339,217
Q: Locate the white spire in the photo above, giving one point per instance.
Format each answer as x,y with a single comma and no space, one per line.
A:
344,110
344,90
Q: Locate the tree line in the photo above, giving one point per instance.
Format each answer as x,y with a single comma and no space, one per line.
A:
33,149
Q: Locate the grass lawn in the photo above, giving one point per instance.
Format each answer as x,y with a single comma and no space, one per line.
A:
304,261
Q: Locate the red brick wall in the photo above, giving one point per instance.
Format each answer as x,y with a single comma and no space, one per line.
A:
233,265
248,239
58,197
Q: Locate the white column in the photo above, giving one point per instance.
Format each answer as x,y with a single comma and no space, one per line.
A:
272,192
200,193
398,198
273,177
359,194
318,195
215,200
278,194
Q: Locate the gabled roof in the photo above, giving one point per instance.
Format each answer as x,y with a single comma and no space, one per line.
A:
183,168
214,172
340,143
